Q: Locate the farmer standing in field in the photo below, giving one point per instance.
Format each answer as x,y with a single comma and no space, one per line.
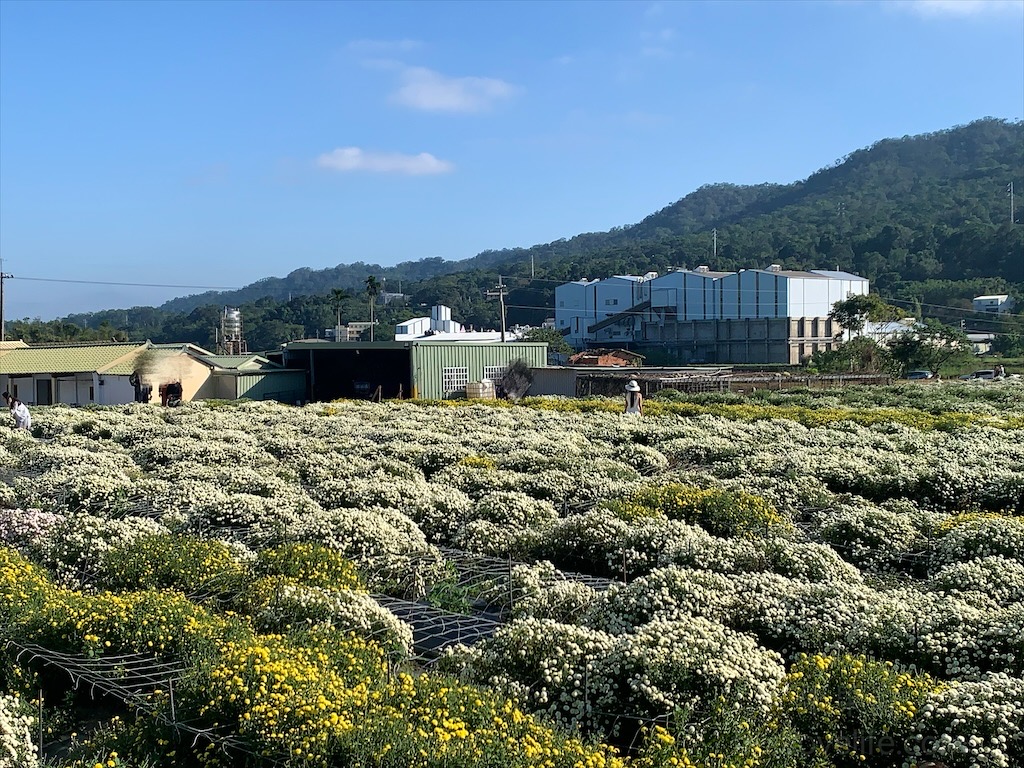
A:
634,400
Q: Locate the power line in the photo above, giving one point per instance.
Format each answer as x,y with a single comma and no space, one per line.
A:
131,285
954,309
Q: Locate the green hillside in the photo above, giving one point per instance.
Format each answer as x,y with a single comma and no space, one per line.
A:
926,218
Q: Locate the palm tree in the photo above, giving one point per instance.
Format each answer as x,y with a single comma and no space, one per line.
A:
373,291
338,296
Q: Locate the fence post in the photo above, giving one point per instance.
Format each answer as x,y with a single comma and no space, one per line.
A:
170,690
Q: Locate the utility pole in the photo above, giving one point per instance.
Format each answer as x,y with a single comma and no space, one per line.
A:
3,330
1009,191
500,291
531,266
714,248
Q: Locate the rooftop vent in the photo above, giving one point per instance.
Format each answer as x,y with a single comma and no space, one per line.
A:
703,268
774,267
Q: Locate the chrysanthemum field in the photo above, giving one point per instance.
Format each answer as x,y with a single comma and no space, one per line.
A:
788,580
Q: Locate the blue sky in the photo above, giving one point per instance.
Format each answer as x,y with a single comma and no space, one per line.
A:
213,144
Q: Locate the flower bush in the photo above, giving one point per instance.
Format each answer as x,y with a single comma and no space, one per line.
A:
995,577
202,569
871,537
688,663
967,537
721,513
312,564
281,604
971,724
857,711
17,747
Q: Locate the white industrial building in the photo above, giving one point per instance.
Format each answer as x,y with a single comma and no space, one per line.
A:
440,327
711,314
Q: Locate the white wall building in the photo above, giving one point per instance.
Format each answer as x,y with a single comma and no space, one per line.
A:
998,303
776,292
440,327
617,309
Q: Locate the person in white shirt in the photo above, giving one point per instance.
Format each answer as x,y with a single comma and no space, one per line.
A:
19,412
634,400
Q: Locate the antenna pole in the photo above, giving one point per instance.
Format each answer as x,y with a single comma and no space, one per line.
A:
3,329
714,236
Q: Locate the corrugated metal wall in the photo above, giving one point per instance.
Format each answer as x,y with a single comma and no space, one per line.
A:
553,381
283,386
429,359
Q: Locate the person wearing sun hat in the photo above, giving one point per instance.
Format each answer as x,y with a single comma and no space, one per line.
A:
634,400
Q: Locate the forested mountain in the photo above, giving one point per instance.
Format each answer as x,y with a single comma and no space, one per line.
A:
925,218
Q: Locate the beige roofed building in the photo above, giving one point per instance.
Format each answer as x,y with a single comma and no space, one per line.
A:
125,372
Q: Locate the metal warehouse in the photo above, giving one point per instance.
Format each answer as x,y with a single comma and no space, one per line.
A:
431,370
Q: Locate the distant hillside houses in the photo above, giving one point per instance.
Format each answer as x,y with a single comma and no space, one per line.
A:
751,316
997,303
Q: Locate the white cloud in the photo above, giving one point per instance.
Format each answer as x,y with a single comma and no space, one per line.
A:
428,90
348,159
958,8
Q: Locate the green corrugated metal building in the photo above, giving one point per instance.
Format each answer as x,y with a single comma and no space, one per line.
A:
431,370
282,385
234,377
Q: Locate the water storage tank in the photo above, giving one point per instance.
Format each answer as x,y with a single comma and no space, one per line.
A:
232,323
480,390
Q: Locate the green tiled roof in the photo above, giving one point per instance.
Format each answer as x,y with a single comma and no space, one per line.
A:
249,362
114,359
